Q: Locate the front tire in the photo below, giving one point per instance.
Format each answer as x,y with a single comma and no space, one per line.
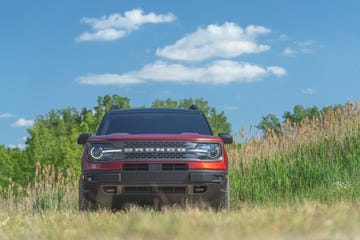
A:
84,203
224,203
227,196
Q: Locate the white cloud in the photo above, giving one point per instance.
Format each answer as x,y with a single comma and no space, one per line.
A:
21,146
22,122
278,71
6,115
216,72
102,35
309,91
108,79
289,52
115,26
215,41
226,41
298,48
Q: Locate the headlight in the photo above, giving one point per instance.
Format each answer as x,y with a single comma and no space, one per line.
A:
102,152
207,150
96,152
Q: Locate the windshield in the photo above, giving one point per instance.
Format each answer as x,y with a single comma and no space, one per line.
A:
154,123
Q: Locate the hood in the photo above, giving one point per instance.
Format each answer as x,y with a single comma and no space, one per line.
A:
155,137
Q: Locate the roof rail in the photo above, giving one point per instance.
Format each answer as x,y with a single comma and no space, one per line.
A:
194,107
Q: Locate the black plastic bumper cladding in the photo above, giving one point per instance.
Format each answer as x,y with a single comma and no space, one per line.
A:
116,187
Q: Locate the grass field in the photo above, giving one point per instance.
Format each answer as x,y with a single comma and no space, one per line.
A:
317,160
306,221
302,184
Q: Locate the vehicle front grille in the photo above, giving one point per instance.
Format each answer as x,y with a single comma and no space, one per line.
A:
161,189
155,167
154,144
135,167
175,167
155,154
146,151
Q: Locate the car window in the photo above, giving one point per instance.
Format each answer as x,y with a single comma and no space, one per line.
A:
154,123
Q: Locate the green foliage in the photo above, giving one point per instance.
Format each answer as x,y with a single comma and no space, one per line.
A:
14,167
217,121
105,103
168,103
325,172
269,121
299,114
53,139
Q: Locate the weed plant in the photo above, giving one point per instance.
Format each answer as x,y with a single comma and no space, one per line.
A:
50,191
317,160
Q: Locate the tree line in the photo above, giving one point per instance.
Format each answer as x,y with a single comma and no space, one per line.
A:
299,113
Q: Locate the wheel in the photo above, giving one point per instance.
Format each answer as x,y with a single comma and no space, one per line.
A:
85,204
224,203
227,196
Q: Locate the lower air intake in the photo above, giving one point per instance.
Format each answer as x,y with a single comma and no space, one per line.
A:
150,189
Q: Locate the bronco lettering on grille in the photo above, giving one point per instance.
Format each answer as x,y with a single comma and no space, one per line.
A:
157,150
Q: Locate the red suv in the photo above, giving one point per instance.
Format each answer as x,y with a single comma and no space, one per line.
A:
156,157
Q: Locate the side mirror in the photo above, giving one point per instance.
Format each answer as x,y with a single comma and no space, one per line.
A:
82,139
226,137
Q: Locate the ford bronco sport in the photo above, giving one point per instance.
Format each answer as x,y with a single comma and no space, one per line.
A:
154,156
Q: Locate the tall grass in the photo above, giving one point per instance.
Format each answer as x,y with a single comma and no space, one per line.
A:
319,159
51,190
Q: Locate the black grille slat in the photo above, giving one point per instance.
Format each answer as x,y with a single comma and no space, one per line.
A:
154,144
136,167
172,189
151,155
154,155
153,167
138,189
175,167
162,189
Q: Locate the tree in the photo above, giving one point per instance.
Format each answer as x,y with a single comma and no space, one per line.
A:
332,108
105,103
217,121
53,137
270,121
168,103
299,113
14,167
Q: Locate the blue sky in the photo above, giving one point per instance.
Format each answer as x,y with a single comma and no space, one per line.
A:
247,58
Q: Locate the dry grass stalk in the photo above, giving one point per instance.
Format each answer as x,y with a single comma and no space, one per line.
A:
336,125
50,190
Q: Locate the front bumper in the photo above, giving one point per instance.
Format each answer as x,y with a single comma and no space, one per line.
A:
115,188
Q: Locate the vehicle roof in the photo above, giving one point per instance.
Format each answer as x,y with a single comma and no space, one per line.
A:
154,110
